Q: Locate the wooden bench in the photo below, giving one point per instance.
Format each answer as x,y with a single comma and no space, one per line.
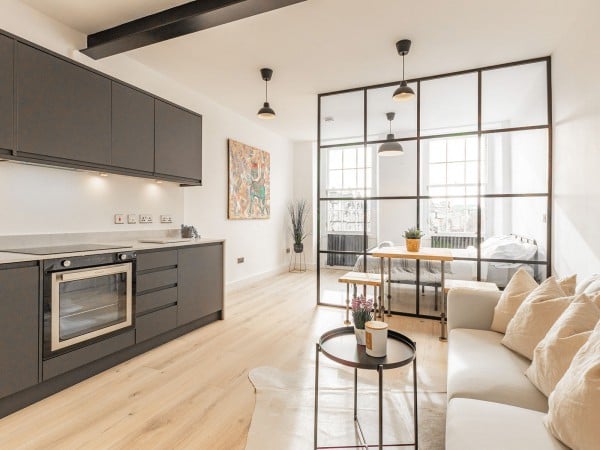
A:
363,279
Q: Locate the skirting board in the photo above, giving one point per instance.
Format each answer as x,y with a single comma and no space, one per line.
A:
246,282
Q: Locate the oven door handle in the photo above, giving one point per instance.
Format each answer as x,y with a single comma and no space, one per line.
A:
93,273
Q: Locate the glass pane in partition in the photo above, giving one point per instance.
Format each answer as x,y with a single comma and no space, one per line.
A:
342,118
449,105
392,218
430,291
514,228
396,175
515,163
332,291
379,103
449,166
501,273
514,96
342,230
347,171
450,223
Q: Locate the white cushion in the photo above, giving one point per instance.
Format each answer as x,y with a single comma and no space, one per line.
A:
535,316
515,292
574,412
589,286
568,284
553,355
478,425
479,367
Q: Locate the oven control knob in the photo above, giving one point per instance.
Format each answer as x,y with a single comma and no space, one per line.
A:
66,263
123,256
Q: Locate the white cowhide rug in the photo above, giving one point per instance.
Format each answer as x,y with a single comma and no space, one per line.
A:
284,412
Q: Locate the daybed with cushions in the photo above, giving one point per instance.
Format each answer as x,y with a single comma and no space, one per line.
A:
492,404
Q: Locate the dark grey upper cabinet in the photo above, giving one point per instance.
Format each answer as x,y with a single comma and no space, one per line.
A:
132,129
178,142
7,52
19,329
63,109
200,282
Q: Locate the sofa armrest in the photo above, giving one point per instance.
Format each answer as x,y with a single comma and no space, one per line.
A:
471,308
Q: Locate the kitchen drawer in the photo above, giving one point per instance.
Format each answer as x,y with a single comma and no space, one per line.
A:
77,358
155,260
154,280
156,299
155,323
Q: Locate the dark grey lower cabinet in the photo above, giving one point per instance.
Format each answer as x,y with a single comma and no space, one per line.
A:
200,282
19,328
155,323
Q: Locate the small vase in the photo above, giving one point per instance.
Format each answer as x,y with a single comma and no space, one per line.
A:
299,248
360,336
413,245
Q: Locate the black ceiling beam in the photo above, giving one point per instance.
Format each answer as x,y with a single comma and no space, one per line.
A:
178,21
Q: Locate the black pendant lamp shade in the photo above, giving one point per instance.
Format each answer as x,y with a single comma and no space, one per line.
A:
404,92
390,148
266,112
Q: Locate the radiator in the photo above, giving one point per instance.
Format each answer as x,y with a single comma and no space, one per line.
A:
440,241
344,243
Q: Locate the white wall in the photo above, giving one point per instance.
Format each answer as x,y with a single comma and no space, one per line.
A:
305,187
262,242
576,64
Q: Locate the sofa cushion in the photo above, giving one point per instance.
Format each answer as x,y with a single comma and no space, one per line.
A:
535,317
575,402
481,368
553,355
476,425
517,289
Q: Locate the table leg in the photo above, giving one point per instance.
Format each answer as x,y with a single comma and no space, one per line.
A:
389,296
380,370
415,403
355,394
347,321
316,394
382,290
444,329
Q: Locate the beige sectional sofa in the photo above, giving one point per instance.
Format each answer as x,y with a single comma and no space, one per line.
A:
492,405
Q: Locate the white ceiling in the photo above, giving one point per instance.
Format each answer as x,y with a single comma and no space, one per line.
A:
325,45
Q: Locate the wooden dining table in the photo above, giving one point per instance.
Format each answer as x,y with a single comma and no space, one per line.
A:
442,255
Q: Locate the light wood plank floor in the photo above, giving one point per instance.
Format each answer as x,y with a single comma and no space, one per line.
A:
194,392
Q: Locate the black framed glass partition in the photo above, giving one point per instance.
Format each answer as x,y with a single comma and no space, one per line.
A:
475,175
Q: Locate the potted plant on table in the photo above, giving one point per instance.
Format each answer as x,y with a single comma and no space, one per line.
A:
298,211
413,239
361,314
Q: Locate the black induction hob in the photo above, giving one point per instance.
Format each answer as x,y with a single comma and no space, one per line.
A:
56,249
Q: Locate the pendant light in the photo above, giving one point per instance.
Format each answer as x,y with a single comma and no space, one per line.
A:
404,92
266,112
390,148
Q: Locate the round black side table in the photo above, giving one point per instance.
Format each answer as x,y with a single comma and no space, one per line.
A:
340,346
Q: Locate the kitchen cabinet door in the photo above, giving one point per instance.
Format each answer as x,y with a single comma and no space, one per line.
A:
63,109
132,129
7,46
200,282
178,142
19,329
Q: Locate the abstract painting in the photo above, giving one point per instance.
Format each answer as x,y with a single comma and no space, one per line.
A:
249,182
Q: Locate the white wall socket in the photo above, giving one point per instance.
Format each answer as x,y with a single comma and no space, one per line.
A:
166,219
119,219
145,218
131,218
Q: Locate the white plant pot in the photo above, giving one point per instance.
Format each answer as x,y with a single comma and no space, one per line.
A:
360,336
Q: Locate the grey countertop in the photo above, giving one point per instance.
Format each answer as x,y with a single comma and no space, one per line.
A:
127,241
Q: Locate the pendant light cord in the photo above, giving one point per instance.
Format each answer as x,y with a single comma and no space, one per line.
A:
266,97
402,68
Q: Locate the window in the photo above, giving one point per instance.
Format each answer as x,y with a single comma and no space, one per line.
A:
453,173
349,175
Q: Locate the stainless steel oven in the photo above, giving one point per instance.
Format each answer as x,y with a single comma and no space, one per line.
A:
87,298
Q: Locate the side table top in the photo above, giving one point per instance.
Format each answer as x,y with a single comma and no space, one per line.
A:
340,345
